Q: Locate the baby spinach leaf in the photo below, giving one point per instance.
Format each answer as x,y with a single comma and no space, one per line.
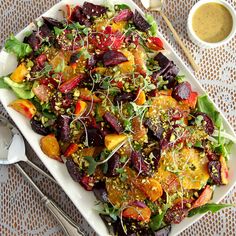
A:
213,207
13,45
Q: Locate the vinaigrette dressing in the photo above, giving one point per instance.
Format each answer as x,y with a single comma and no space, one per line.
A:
212,22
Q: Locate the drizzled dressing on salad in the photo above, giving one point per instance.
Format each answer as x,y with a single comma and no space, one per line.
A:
112,107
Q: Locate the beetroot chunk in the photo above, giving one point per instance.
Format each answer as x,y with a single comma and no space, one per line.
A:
113,58
123,15
77,15
154,129
73,170
182,91
95,137
124,97
63,123
138,163
177,213
38,127
100,191
33,41
90,9
208,123
51,23
113,164
113,122
156,152
168,70
140,23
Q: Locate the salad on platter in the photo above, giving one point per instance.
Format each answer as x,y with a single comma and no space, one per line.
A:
108,103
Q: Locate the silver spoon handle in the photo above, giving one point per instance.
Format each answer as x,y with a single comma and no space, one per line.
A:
70,228
41,171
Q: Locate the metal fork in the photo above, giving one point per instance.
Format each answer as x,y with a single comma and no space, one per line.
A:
69,226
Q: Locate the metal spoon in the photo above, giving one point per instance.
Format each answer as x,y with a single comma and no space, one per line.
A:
12,147
10,144
156,5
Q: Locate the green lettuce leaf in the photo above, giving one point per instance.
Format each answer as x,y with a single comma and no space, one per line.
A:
152,21
3,84
21,90
13,45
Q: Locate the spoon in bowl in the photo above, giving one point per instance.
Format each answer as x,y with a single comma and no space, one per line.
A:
12,147
156,5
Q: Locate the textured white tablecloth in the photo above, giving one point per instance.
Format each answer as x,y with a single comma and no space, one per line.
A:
22,213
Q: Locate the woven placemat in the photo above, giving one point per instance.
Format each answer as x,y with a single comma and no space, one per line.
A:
21,211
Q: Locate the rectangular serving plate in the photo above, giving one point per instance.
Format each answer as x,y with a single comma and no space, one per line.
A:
83,200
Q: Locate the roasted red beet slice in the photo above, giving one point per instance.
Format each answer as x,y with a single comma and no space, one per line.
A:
138,163
92,61
77,15
113,58
107,39
113,122
124,97
51,23
40,60
182,91
214,168
100,191
154,129
123,15
38,127
90,9
113,164
140,23
168,70
87,182
70,84
67,101
157,156
45,32
212,156
207,122
63,125
95,137
177,213
74,170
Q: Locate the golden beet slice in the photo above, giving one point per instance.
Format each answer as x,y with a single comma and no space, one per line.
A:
50,147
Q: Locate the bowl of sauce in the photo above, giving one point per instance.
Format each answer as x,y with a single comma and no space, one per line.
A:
211,23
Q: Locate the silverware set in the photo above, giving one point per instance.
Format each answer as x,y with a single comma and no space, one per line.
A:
13,151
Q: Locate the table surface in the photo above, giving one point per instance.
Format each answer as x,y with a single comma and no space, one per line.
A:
21,210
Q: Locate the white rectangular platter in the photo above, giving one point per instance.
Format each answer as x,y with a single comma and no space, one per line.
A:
82,199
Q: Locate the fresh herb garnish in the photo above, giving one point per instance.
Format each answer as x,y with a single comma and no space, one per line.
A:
122,174
92,164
